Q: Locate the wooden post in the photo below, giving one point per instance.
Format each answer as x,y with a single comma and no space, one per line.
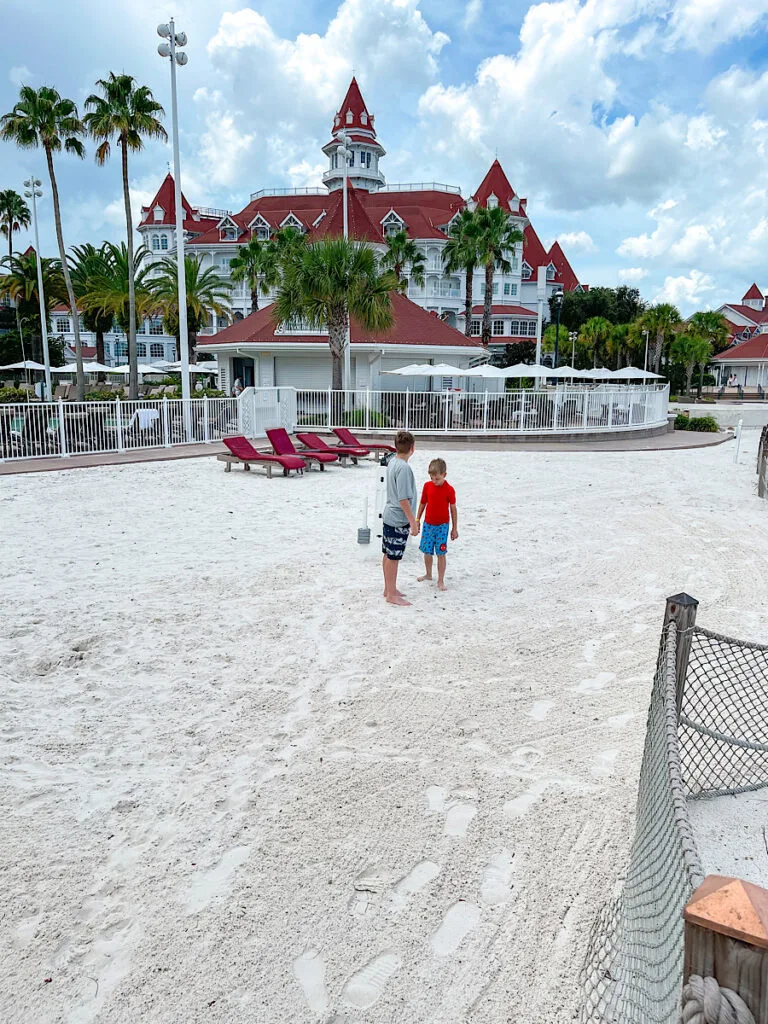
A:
726,938
681,609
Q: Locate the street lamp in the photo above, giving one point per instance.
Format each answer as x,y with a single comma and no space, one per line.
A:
645,361
572,336
34,192
558,300
344,152
178,57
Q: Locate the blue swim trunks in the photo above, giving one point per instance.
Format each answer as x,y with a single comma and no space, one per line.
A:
434,539
393,541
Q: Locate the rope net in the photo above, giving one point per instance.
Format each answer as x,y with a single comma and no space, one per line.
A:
633,970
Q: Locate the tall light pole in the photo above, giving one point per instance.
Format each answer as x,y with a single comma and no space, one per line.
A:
645,361
343,151
573,335
558,297
178,57
34,192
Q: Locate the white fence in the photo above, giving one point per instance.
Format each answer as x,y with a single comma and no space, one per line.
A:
45,429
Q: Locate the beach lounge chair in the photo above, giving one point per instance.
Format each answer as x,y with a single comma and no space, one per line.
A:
283,445
316,443
240,450
348,440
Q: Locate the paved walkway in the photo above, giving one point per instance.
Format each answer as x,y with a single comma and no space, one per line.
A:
663,442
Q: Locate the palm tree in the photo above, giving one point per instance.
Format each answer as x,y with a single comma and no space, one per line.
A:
20,285
90,266
497,237
126,113
207,293
619,343
14,215
42,118
659,320
257,263
594,335
403,253
461,253
712,326
326,283
689,348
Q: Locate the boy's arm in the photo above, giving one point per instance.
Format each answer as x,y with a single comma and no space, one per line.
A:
406,506
420,513
454,522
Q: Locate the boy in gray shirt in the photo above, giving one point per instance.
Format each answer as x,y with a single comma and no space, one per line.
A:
399,515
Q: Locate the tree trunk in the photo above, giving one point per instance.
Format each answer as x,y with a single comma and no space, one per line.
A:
337,336
16,300
488,299
192,343
255,296
688,375
101,377
80,376
468,300
657,351
133,360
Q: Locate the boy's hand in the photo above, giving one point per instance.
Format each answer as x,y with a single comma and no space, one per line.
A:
415,527
454,534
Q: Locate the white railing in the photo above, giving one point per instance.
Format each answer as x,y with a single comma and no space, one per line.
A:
548,411
45,429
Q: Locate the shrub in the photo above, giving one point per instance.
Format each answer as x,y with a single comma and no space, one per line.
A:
357,418
13,395
707,424
674,398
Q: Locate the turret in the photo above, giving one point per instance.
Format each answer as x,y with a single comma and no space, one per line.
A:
353,125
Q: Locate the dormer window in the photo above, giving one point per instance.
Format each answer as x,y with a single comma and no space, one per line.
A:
493,202
551,272
364,117
158,213
349,117
391,224
292,221
337,121
526,271
259,228
228,234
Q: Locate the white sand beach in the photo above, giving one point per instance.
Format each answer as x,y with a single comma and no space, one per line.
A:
238,788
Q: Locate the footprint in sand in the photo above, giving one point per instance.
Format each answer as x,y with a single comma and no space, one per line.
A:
595,685
419,876
459,808
369,884
457,819
496,886
621,721
605,762
540,709
521,804
459,920
309,971
215,883
365,987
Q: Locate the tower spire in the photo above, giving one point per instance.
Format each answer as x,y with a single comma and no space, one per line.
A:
356,122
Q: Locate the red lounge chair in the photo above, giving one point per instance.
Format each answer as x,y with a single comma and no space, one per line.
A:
349,440
241,450
283,445
316,443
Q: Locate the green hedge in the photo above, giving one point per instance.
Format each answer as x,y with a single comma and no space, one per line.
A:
13,395
707,424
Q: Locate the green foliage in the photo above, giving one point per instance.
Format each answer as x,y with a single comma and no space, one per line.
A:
403,255
712,326
42,118
258,264
519,352
706,424
14,215
12,395
359,418
497,236
618,305
125,112
206,292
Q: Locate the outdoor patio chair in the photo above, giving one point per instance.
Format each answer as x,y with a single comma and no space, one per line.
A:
240,450
349,440
283,445
316,443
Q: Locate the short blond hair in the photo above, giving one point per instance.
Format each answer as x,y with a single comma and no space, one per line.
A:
437,466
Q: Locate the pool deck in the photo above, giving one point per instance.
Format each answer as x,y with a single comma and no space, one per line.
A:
676,441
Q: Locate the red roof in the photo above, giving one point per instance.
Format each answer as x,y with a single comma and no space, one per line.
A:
495,182
753,293
755,348
166,199
358,222
353,103
564,274
413,326
533,251
757,316
503,311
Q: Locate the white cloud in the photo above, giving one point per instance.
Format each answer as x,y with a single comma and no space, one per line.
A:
687,290
472,12
705,26
632,275
20,76
578,240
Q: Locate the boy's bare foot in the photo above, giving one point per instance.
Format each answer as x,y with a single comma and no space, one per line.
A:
441,586
399,600
398,593
420,579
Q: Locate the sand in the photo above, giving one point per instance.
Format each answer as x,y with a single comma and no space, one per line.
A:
238,788
731,835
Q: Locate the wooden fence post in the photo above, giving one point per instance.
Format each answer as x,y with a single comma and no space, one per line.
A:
681,609
762,463
726,939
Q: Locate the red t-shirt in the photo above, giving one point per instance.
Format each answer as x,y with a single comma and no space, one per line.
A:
438,500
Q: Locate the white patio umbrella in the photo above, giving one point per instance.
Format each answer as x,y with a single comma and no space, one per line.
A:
633,373
526,370
193,367
125,369
598,373
28,364
427,370
485,370
567,372
87,368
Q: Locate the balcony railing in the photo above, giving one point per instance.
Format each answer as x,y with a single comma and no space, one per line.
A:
288,192
422,186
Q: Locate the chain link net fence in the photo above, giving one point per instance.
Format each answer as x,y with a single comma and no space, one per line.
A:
719,745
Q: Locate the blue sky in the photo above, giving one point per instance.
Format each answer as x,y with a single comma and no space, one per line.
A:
637,128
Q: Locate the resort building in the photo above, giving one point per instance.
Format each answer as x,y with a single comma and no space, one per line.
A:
747,358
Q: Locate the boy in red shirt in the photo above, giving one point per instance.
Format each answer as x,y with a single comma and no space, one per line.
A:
438,499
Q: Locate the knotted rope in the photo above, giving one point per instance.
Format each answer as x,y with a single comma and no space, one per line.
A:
704,1002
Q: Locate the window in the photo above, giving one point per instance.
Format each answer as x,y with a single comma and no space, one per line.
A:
531,328
495,287
474,328
62,324
351,158
228,234
164,242
367,159
550,273
364,117
514,327
515,263
158,213
349,117
157,350
497,327
513,290
155,242
482,289
526,272
506,287
107,350
121,349
262,234
141,348
156,325
222,322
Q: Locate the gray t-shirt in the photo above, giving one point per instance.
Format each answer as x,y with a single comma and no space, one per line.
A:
400,484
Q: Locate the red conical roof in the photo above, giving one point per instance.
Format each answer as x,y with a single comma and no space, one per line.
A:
564,274
359,224
354,104
753,293
533,251
166,199
495,182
